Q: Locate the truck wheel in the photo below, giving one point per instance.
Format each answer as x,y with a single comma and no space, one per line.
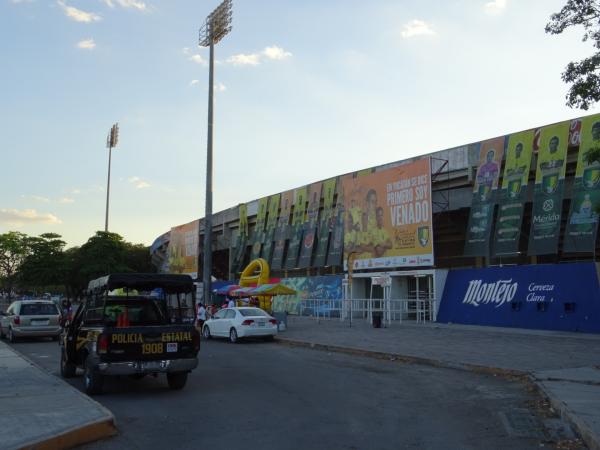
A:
67,369
206,332
92,379
177,380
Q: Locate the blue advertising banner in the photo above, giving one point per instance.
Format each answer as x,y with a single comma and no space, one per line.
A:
562,297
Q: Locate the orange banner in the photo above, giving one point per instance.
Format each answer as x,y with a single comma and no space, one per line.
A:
388,217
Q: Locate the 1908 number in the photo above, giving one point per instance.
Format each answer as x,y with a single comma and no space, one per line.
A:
152,349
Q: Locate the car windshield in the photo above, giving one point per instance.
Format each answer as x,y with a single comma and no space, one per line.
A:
252,312
37,309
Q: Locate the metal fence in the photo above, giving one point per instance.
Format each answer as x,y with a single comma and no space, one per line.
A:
390,310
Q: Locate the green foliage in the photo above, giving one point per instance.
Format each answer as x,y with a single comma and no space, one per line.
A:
45,264
14,248
584,75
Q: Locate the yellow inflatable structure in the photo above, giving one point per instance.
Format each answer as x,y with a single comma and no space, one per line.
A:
255,274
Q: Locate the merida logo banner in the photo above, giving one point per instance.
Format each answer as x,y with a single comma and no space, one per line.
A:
552,297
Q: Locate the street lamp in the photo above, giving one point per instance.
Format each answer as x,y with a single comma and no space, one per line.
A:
111,141
217,25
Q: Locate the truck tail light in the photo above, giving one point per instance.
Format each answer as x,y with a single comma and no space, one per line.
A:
102,344
17,320
248,322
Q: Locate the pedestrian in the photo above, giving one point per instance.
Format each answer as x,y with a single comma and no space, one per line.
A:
201,317
231,303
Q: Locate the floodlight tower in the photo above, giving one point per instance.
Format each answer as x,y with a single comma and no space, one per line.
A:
215,28
111,141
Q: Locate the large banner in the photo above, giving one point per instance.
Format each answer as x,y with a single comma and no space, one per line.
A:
271,225
513,194
325,223
242,239
259,228
544,296
297,227
183,249
282,230
549,186
582,226
388,217
310,225
327,287
477,242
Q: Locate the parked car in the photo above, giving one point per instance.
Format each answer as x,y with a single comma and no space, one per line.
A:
238,323
30,318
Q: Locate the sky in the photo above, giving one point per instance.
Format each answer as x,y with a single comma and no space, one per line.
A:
304,90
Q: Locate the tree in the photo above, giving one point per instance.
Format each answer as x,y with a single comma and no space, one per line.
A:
45,264
584,75
14,248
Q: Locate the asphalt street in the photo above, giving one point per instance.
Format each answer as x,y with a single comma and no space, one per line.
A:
270,396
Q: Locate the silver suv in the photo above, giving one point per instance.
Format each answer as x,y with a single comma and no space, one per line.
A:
30,318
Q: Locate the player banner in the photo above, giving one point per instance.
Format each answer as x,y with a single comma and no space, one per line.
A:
549,186
325,223
259,228
182,250
282,230
388,217
513,193
477,242
336,246
297,227
582,226
271,225
242,239
310,225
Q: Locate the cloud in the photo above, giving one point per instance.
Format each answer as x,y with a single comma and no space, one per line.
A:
77,14
21,1
75,191
194,82
198,59
37,198
17,217
241,59
135,4
138,182
416,28
220,87
87,44
66,200
495,6
276,53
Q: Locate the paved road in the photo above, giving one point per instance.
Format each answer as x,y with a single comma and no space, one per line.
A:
269,396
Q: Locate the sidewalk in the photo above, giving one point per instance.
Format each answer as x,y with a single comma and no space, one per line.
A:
41,411
565,366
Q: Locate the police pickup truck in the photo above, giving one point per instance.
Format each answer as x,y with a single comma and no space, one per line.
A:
132,324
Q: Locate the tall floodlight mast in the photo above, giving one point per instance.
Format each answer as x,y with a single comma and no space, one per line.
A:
215,28
111,141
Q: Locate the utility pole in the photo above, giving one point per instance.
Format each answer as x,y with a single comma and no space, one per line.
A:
216,27
111,141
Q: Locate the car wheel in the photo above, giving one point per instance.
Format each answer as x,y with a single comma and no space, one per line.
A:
11,337
92,379
206,332
233,337
67,369
177,380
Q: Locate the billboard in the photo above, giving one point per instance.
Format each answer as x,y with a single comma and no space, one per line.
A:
549,186
259,229
326,287
242,239
582,226
271,226
310,225
183,249
282,230
388,217
325,223
546,296
483,200
513,193
297,227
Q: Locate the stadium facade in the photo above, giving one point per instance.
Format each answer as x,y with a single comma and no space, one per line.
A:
498,232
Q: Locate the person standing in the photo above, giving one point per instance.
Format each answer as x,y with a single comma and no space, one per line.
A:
201,317
231,303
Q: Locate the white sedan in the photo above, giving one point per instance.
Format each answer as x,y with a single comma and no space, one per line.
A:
237,323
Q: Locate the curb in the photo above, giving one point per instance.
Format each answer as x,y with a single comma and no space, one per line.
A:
82,434
588,436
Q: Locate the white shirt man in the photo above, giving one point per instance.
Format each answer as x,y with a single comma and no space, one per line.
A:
231,303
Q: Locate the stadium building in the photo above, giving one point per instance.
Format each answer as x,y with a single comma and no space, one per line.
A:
500,232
